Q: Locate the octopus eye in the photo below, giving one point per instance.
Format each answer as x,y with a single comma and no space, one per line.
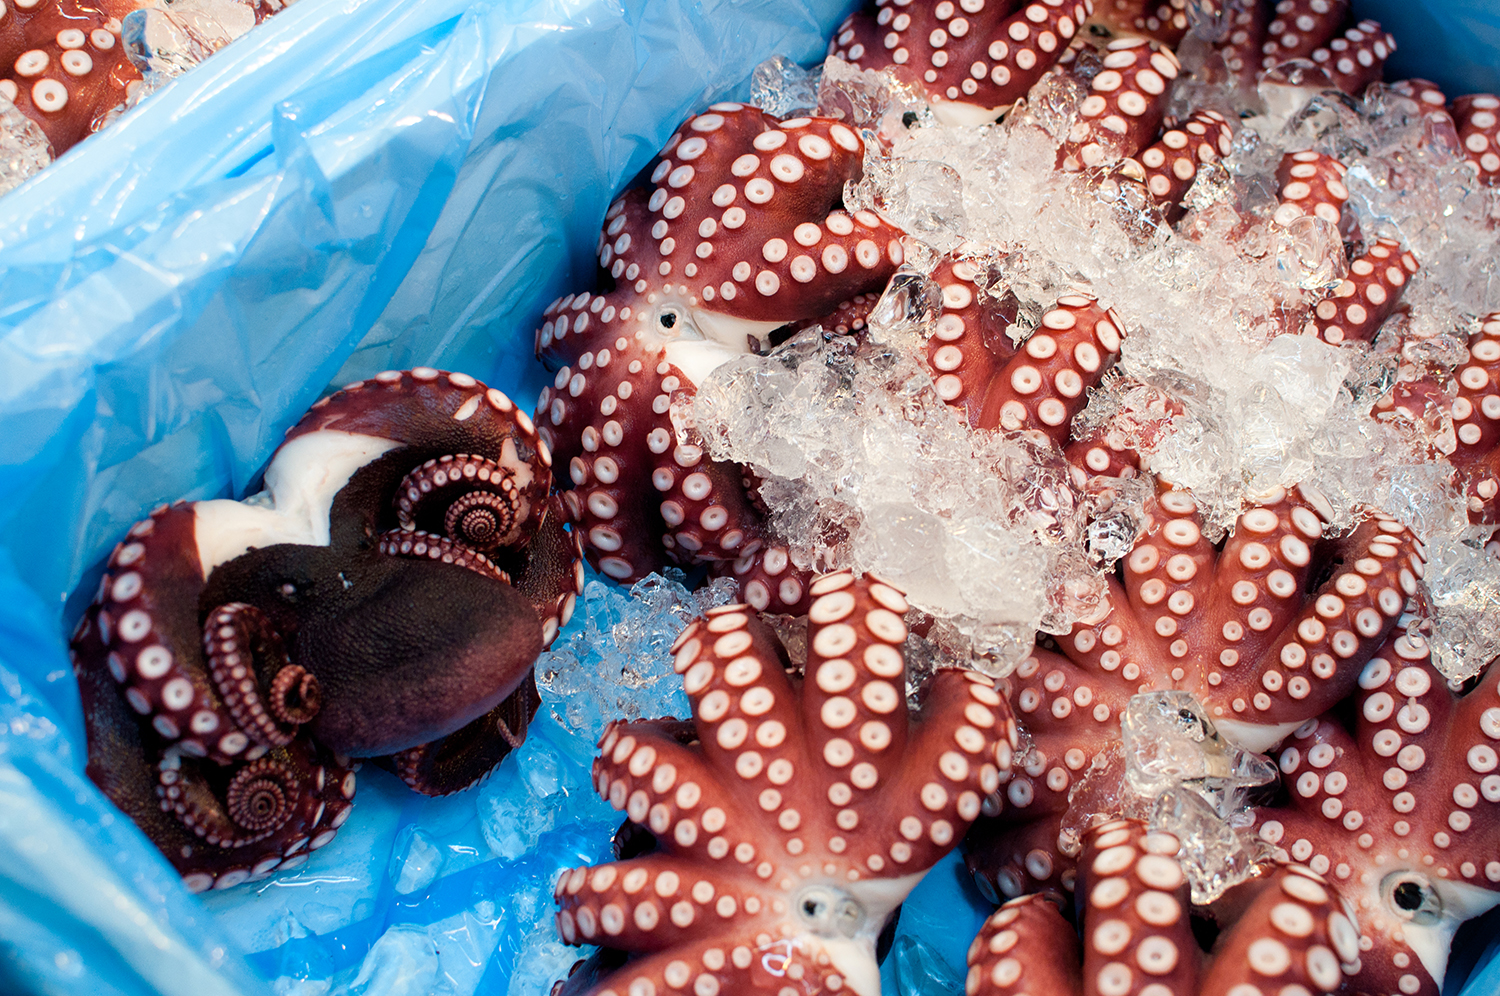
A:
830,912
668,319
672,322
1411,897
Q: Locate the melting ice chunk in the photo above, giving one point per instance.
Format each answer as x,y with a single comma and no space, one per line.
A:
1173,770
781,87
24,149
1463,589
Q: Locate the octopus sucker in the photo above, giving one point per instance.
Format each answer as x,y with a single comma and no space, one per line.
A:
798,818
385,595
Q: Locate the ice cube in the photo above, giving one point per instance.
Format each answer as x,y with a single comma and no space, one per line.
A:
24,148
781,87
1463,600
404,962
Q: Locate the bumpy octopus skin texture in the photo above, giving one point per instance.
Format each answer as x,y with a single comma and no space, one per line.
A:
972,59
62,63
386,596
1263,36
741,231
1471,399
1291,933
802,815
1400,806
1243,629
64,66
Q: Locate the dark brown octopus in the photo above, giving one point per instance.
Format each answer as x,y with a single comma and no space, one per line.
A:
1259,632
794,814
1284,931
384,597
740,231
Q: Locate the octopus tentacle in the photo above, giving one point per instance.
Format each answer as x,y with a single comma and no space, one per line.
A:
972,60
236,638
1025,947
1290,932
483,515
1242,47
770,581
1356,59
1300,27
777,857
1310,183
1478,119
65,65
1168,167
1476,420
1125,106
1040,387
1165,21
1362,302
1399,811
442,549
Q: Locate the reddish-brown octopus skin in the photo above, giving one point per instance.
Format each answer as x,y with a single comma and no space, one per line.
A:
1123,111
973,58
802,814
1476,422
385,595
1478,119
1310,183
290,803
62,63
1357,57
1401,812
1165,21
1290,934
1362,301
1242,629
1039,386
742,231
1168,167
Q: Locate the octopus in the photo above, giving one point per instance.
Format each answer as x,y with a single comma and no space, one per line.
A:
1267,633
972,59
66,67
794,814
385,597
1290,932
1399,805
740,232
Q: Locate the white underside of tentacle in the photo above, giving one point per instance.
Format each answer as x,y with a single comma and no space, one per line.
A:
301,483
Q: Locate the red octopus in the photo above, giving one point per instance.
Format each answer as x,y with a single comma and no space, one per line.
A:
972,59
1289,932
65,65
385,596
1400,810
1257,631
740,231
795,814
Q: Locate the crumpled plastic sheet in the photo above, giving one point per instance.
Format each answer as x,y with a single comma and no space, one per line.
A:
358,185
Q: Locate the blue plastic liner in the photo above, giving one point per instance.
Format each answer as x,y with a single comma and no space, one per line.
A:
358,185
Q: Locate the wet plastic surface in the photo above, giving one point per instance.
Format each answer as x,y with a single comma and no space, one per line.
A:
360,184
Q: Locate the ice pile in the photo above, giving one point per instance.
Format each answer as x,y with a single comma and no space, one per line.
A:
1173,770
864,466
1463,602
615,661
24,149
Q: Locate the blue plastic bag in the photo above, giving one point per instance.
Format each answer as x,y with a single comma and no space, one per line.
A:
360,184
